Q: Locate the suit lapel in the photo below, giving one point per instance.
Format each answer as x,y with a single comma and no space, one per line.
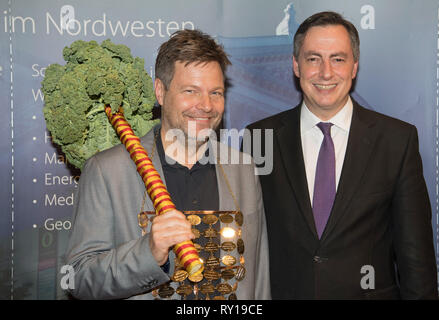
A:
148,142
359,149
290,146
225,198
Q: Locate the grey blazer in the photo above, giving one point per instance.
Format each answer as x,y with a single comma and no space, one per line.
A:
111,258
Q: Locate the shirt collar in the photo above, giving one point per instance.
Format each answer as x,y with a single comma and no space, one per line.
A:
342,119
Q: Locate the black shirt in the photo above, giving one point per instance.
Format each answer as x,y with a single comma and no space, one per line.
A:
190,189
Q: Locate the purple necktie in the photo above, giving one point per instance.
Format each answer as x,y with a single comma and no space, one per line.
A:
324,184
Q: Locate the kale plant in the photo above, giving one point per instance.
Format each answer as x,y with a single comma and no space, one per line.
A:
75,96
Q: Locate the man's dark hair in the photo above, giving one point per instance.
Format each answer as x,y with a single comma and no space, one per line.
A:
323,19
189,46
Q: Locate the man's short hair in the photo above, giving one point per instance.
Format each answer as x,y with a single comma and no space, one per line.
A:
189,46
323,19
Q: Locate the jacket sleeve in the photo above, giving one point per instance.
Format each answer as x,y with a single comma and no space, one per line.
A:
102,269
413,236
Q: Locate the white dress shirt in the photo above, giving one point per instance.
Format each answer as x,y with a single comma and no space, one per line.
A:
312,138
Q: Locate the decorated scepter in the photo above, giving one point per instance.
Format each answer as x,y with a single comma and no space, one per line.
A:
100,83
159,195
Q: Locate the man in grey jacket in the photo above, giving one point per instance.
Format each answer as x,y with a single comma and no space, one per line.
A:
111,256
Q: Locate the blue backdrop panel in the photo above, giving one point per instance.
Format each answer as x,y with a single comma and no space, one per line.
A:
398,76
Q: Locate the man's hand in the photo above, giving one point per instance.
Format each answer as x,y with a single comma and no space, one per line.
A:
167,230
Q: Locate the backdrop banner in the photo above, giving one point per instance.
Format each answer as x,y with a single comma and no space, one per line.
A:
398,76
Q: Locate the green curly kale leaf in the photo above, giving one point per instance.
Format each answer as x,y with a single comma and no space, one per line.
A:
75,95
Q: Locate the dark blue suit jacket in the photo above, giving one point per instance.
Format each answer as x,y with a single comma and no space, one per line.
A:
381,215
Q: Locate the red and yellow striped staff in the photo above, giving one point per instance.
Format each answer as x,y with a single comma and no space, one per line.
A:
159,195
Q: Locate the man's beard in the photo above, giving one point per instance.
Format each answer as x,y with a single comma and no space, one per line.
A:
197,139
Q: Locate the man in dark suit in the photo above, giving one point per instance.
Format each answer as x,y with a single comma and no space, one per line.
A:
348,214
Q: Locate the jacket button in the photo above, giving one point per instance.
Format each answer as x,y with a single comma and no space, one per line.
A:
317,259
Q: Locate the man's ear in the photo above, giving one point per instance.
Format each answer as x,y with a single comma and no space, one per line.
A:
355,70
296,67
159,90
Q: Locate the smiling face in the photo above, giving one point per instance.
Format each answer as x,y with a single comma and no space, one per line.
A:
325,67
195,94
